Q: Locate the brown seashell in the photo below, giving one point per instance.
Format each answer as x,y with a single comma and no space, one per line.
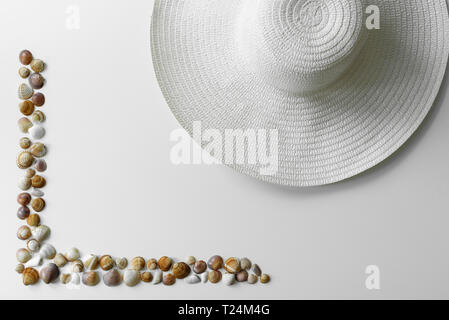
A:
38,116
38,204
49,273
24,198
138,263
199,266
23,255
36,81
29,173
152,264
121,263
40,165
37,65
232,265
24,233
34,220
38,181
24,124
25,92
24,72
169,279
256,270
181,270
20,268
38,99
24,160
241,276
30,276
91,278
214,276
215,262
24,143
65,278
146,276
106,262
38,150
23,212
26,107
77,266
164,263
25,57
112,278
265,278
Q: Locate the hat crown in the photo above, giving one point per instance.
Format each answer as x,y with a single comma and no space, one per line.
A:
301,45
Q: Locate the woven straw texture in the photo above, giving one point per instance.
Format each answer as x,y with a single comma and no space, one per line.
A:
343,98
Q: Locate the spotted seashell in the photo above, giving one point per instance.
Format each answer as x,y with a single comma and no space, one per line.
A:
24,124
24,143
24,72
41,232
25,92
25,160
47,251
33,245
38,116
37,132
38,181
37,65
37,192
38,150
40,165
26,107
38,204
24,183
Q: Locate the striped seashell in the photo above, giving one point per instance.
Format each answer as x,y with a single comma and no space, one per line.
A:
38,150
38,116
38,181
25,92
37,65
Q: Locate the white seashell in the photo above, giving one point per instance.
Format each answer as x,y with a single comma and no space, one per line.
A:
157,277
23,255
37,132
40,233
33,245
47,251
193,279
75,279
34,262
228,279
72,254
25,92
204,277
131,277
38,193
24,183
190,260
90,262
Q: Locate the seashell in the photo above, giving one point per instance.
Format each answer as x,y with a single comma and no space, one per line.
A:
37,192
245,264
38,99
24,160
121,263
106,262
38,181
24,198
242,276
146,276
152,264
37,132
157,277
112,278
214,276
24,72
169,279
72,254
204,277
74,279
60,260
47,251
193,279
23,255
131,277
181,270
37,65
19,268
77,266
24,143
26,107
25,57
36,81
164,263
40,165
199,266
38,117
33,245
229,279
30,276
190,260
29,173
65,278
24,183
49,273
91,262
34,220
232,265
24,232
38,150
38,204
25,92
256,270
90,278
23,213
265,278
40,233
215,262
252,278
34,262
138,263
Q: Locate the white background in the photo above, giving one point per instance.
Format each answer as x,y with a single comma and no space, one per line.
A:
113,190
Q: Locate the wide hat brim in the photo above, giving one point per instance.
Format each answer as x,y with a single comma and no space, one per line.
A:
324,137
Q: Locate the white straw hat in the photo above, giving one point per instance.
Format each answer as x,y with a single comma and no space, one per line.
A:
342,97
